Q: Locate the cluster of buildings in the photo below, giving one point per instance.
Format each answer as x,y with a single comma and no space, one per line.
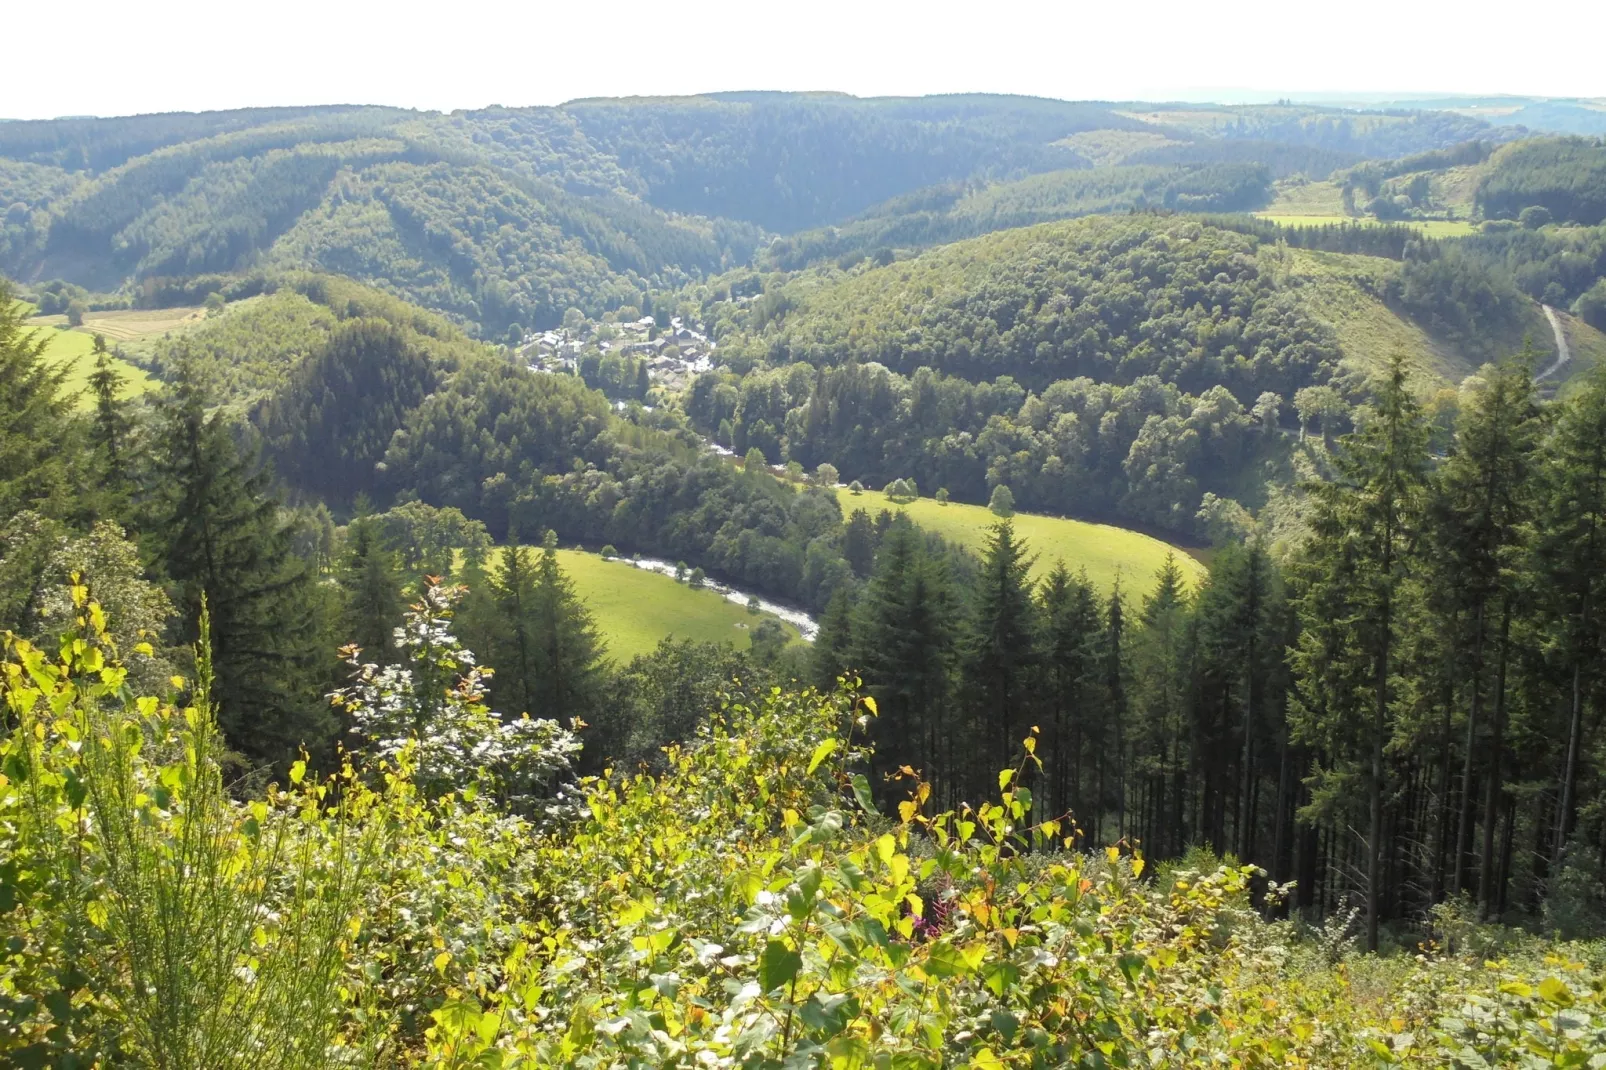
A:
675,354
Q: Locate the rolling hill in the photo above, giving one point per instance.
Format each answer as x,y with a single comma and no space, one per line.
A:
512,216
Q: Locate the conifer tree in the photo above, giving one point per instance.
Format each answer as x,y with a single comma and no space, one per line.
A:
1363,525
1160,661
999,659
569,651
1112,721
905,638
834,645
1481,513
1240,652
373,609
1070,621
512,649
859,543
1570,562
215,531
36,448
109,431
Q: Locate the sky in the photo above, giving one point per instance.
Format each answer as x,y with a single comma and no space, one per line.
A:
114,57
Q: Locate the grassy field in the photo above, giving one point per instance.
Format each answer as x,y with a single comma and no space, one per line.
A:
1305,198
634,608
74,348
1432,228
1336,286
1106,552
1588,351
129,325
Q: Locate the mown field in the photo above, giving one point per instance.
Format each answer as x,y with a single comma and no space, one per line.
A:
634,608
1105,551
73,347
1432,228
130,324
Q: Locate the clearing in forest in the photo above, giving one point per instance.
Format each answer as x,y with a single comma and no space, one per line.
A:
634,608
1105,551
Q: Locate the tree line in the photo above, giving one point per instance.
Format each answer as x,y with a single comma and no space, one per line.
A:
1403,709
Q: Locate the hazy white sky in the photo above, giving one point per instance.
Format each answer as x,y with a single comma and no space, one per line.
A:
116,57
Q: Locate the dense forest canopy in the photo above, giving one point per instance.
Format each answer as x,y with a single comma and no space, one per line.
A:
511,215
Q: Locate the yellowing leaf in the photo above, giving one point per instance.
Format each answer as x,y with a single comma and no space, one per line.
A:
869,704
1004,777
1137,867
826,748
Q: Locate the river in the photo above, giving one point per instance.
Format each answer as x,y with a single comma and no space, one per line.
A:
806,625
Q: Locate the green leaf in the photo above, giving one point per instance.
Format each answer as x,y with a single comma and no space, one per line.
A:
778,966
945,960
861,791
826,748
1555,991
1004,777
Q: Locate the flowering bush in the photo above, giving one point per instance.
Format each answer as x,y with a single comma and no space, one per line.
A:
433,706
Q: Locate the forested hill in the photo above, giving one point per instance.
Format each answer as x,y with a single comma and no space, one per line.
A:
512,216
1133,368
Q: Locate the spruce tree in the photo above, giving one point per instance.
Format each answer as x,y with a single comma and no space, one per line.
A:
833,646
1481,515
1354,574
37,454
569,651
1240,653
1570,561
1000,660
1070,637
109,431
216,533
859,539
1160,669
512,649
373,609
905,642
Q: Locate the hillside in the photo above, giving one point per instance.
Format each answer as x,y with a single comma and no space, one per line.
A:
1115,299
1119,369
1108,554
512,216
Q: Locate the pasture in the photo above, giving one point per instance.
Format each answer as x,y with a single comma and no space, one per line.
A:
1106,552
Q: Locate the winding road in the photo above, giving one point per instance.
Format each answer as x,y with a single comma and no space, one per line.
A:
1563,354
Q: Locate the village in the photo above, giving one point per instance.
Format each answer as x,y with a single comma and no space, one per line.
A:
673,356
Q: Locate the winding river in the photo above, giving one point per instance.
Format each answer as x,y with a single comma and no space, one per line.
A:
806,625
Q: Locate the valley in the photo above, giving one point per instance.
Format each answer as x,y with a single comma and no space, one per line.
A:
769,579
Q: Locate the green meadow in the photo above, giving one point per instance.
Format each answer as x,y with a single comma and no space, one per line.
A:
74,348
634,608
1432,228
1106,552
